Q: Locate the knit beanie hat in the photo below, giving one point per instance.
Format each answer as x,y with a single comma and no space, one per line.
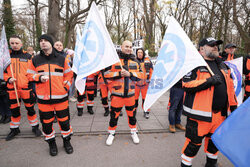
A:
48,38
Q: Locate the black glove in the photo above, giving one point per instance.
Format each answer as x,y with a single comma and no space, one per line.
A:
215,80
232,108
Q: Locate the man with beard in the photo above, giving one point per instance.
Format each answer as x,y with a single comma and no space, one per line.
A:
207,100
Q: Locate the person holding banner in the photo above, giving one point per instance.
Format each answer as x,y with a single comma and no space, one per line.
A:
246,72
19,63
142,85
123,77
53,78
207,100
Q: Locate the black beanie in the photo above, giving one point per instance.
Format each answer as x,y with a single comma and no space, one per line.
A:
48,38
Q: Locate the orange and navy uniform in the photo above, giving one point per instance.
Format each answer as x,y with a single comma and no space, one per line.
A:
246,72
19,63
104,87
226,56
142,85
123,89
52,95
90,90
202,118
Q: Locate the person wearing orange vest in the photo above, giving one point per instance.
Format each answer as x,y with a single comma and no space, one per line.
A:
123,90
228,53
19,63
207,101
53,77
142,85
104,89
246,72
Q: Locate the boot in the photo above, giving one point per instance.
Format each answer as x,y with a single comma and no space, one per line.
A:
12,134
146,115
183,165
7,119
211,162
67,146
80,111
172,129
2,119
90,110
106,111
52,147
36,130
179,126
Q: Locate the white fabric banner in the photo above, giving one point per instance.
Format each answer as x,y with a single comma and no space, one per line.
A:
95,51
177,57
236,66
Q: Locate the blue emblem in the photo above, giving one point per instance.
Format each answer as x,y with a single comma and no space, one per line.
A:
170,60
94,46
236,77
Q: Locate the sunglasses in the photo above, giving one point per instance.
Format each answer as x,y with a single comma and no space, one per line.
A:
213,45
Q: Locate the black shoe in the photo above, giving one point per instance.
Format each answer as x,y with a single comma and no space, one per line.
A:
121,114
55,120
106,112
52,147
7,119
2,119
183,165
12,134
80,111
36,130
211,162
67,145
146,115
90,110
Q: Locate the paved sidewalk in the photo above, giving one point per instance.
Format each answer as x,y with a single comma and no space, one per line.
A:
98,124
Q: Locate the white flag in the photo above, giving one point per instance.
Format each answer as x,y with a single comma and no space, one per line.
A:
4,53
177,57
95,51
236,66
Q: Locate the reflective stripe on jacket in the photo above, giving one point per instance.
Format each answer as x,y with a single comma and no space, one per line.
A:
197,100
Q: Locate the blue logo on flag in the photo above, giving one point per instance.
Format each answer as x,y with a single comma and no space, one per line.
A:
236,77
94,46
169,62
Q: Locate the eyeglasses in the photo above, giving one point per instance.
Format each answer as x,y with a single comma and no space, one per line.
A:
212,45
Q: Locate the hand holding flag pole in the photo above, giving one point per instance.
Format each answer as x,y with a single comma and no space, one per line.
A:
14,83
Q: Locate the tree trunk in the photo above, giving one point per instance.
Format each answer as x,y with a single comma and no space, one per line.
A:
54,20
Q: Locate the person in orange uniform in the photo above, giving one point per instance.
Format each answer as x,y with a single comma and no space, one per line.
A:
53,78
90,90
142,85
19,62
123,90
228,53
104,89
246,72
207,100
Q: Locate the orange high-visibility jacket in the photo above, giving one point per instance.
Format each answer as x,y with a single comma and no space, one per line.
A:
56,67
246,71
147,69
124,86
19,62
197,100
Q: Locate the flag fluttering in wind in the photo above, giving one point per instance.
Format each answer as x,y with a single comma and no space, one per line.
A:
95,50
177,57
4,53
232,136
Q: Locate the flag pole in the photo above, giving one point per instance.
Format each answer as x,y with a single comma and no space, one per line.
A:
14,86
209,69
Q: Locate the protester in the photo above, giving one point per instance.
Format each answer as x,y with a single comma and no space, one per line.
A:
228,53
123,90
19,63
70,57
246,72
104,89
59,48
207,100
53,78
176,107
142,85
4,103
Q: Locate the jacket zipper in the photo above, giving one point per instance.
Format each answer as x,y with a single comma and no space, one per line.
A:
49,80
